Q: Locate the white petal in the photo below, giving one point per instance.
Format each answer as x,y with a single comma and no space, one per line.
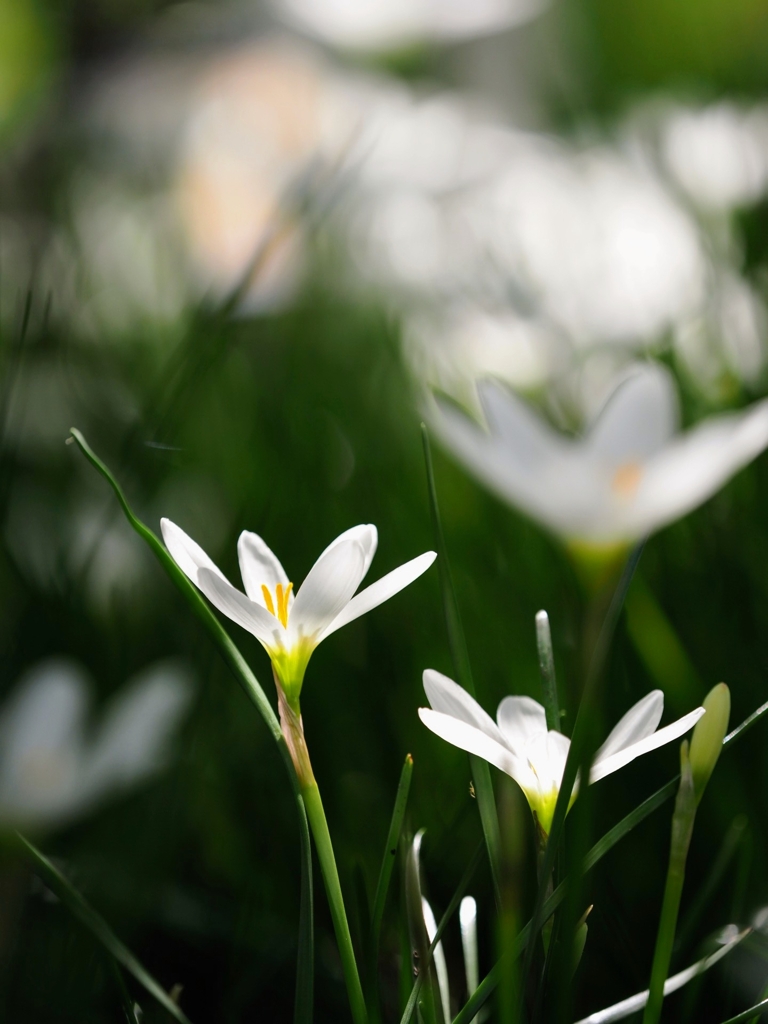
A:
475,741
521,720
258,565
236,606
331,582
640,721
639,418
41,743
558,746
133,739
366,535
694,467
438,956
670,732
449,698
514,422
188,555
381,590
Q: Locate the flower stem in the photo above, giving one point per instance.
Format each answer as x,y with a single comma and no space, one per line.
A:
682,829
322,837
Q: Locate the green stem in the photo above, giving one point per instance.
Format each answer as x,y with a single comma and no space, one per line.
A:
682,830
324,847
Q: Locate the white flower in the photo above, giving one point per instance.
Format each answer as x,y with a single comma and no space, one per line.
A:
290,627
630,474
533,756
51,771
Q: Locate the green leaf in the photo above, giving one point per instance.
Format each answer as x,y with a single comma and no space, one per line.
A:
96,924
252,688
481,775
390,853
752,1012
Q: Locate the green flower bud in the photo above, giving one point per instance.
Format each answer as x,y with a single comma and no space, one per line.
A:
708,735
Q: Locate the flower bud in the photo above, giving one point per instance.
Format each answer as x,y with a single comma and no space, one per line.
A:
708,735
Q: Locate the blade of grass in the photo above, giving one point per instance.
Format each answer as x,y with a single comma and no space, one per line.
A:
253,690
636,1003
599,850
579,756
481,775
450,910
390,851
129,1008
547,670
753,1013
96,924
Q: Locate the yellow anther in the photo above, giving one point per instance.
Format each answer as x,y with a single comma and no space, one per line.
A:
267,599
282,603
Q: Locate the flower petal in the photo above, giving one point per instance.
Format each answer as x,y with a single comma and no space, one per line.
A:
515,423
366,535
331,582
640,721
670,732
236,606
521,720
475,741
259,565
188,555
381,590
639,418
449,698
696,465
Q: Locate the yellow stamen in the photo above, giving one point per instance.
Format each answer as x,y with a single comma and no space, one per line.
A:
282,603
626,479
267,599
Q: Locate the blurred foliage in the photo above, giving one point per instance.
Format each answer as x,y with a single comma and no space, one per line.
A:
299,425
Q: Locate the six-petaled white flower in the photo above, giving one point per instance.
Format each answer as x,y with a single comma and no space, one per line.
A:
631,473
291,626
520,744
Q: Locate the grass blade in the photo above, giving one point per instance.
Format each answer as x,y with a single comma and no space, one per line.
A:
481,775
253,690
547,670
635,1003
390,851
450,910
752,1013
96,924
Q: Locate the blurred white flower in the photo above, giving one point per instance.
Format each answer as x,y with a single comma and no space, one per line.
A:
54,768
389,24
521,745
630,474
718,154
265,120
290,627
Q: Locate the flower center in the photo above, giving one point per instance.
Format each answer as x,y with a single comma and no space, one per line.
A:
281,601
626,479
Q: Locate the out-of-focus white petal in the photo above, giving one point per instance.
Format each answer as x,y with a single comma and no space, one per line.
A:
381,590
259,566
691,469
133,739
521,720
438,956
236,606
468,925
671,732
41,744
188,555
475,741
331,582
640,721
449,698
515,423
639,418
